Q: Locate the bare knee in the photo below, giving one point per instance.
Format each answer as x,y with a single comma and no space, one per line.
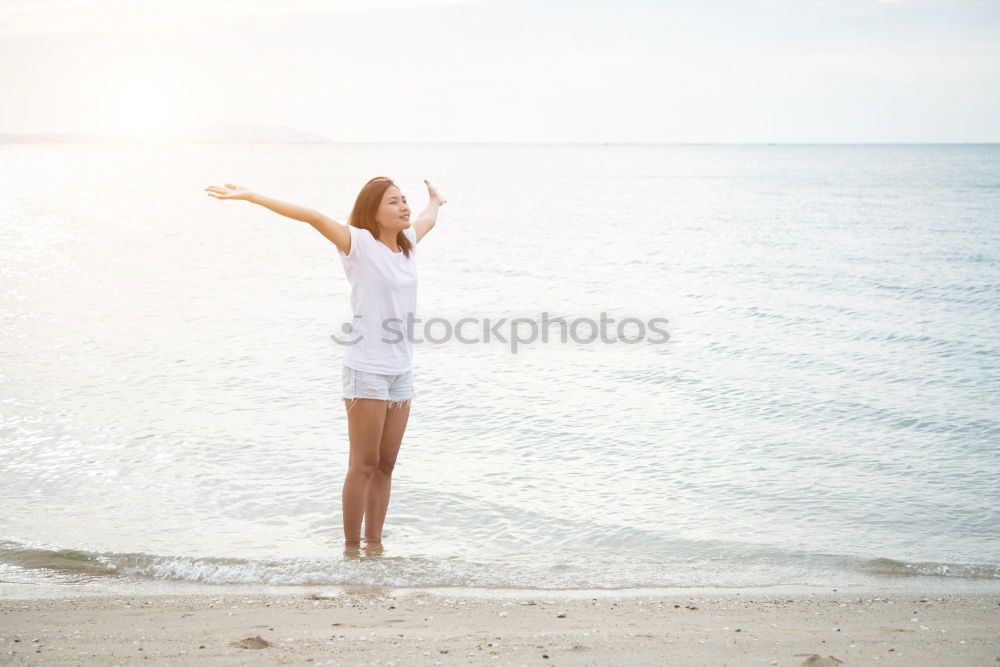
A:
363,469
385,466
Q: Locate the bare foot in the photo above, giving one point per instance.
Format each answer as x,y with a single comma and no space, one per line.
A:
352,549
373,546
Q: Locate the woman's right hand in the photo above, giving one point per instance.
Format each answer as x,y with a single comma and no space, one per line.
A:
229,192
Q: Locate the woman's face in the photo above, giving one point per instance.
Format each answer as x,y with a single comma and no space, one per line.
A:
393,213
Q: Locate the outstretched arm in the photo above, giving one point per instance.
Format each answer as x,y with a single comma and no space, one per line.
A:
428,217
339,234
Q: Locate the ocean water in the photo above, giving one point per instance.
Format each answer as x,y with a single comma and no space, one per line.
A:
823,409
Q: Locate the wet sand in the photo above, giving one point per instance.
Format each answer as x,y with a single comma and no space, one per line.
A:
397,627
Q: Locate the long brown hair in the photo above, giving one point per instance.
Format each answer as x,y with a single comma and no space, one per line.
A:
366,206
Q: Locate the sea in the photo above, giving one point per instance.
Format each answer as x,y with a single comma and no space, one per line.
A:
762,366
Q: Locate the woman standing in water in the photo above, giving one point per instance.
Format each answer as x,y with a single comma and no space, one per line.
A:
376,248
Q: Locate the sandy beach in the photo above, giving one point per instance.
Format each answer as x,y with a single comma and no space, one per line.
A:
401,627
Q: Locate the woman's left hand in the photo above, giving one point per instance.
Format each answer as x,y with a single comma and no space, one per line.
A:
434,195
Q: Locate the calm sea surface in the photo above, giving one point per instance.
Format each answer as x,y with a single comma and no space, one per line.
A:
824,409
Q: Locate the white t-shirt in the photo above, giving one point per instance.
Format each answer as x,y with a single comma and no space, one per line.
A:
383,286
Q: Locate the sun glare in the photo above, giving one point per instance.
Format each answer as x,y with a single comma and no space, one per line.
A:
142,111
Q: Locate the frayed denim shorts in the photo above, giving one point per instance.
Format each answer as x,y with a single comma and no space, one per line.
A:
397,389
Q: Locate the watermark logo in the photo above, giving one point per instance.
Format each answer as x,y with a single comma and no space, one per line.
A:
518,331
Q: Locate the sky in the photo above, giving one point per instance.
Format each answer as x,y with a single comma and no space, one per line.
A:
508,71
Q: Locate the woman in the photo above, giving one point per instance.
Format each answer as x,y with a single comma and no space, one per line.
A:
376,248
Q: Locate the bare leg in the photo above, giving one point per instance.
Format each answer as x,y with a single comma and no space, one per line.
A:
380,485
365,420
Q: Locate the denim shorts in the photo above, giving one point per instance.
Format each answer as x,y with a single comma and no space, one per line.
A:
397,389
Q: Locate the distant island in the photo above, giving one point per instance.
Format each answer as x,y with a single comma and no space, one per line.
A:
213,133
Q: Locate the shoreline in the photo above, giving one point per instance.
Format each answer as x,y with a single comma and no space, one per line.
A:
128,586
388,625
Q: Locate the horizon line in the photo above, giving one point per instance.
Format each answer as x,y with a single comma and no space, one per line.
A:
103,140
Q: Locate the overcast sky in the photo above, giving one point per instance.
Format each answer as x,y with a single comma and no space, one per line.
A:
498,71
